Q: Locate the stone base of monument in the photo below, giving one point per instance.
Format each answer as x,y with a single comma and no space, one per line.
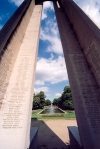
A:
75,142
33,138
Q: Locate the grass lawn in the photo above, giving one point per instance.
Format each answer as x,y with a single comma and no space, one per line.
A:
69,115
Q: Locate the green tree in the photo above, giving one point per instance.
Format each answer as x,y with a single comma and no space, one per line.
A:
47,102
42,99
36,102
68,104
39,100
55,101
65,101
67,89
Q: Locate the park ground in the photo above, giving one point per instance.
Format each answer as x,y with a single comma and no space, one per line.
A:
69,114
53,132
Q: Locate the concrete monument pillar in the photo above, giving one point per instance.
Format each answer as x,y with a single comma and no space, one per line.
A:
17,66
80,39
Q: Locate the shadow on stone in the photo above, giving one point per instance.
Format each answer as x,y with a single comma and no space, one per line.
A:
47,139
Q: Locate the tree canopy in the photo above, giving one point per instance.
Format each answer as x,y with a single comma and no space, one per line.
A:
65,101
39,100
47,102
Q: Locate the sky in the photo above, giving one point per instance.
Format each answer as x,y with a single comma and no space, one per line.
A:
51,73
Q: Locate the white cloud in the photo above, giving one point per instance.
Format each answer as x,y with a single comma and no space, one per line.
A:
50,33
16,2
47,6
50,70
57,94
44,15
91,8
48,95
44,89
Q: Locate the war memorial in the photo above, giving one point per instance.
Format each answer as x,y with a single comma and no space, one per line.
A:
19,40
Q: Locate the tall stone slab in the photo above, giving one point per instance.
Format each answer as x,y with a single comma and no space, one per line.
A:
80,45
18,63
88,35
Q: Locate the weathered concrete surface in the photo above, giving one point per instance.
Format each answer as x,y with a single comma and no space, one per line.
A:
10,49
12,24
16,100
85,90
88,35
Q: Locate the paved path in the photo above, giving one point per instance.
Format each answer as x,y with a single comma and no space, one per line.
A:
53,134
